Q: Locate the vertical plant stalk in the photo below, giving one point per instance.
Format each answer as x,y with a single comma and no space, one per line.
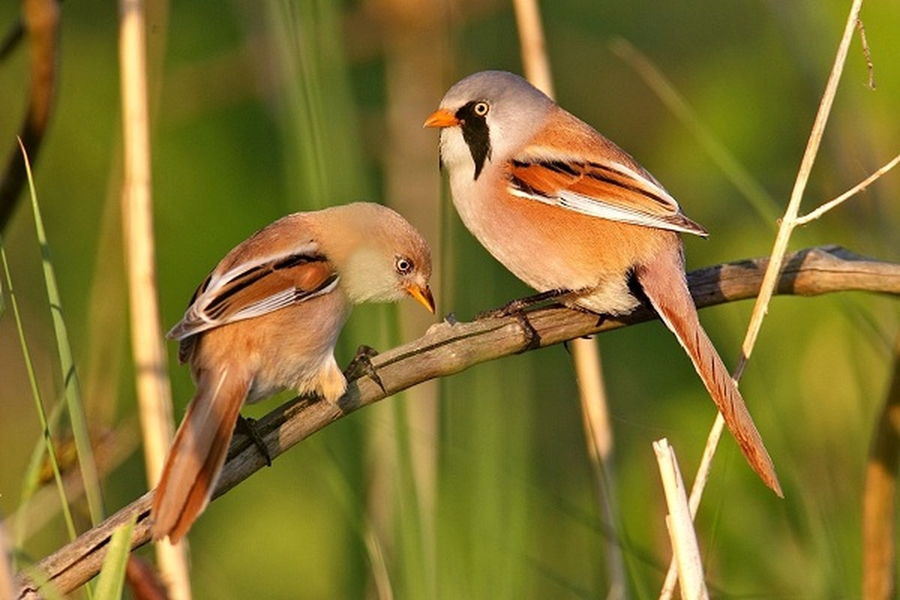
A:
414,60
585,352
534,48
681,524
879,525
153,390
789,222
709,452
599,438
322,125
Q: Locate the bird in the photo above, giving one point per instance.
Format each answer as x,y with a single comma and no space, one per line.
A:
573,215
267,318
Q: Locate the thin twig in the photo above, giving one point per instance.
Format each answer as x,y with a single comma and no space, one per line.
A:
867,53
859,187
786,228
448,349
789,220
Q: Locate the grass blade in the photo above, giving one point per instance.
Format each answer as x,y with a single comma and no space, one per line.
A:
329,168
112,575
77,416
742,179
36,394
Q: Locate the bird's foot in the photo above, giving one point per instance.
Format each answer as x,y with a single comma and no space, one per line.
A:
519,305
247,426
532,337
362,365
518,308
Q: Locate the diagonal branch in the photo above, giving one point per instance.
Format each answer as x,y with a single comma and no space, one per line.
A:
446,349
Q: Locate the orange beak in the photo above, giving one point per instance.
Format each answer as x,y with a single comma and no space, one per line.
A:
441,118
422,295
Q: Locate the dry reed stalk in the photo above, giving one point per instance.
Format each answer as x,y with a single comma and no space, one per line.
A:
680,522
585,352
879,522
414,68
447,349
153,389
788,223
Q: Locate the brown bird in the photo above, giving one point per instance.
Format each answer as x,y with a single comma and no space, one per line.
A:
567,210
266,319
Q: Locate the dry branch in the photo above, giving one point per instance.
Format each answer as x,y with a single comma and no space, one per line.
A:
450,348
41,22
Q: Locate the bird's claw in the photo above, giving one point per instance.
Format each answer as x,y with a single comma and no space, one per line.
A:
247,426
532,337
518,308
519,305
362,365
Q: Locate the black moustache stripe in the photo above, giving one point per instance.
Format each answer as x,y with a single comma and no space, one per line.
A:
476,135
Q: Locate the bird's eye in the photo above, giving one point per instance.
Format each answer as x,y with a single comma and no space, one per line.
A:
403,265
481,109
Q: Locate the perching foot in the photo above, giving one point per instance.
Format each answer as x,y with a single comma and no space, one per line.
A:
362,365
247,426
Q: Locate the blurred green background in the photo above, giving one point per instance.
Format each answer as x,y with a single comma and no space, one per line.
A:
477,486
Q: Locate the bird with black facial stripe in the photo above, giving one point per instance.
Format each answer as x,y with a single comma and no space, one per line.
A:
572,214
267,318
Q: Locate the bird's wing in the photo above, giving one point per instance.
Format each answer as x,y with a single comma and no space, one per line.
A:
249,290
603,188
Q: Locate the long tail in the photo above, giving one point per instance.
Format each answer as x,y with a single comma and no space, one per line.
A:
664,284
197,455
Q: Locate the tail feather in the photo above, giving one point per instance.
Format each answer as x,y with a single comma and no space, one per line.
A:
197,455
663,282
